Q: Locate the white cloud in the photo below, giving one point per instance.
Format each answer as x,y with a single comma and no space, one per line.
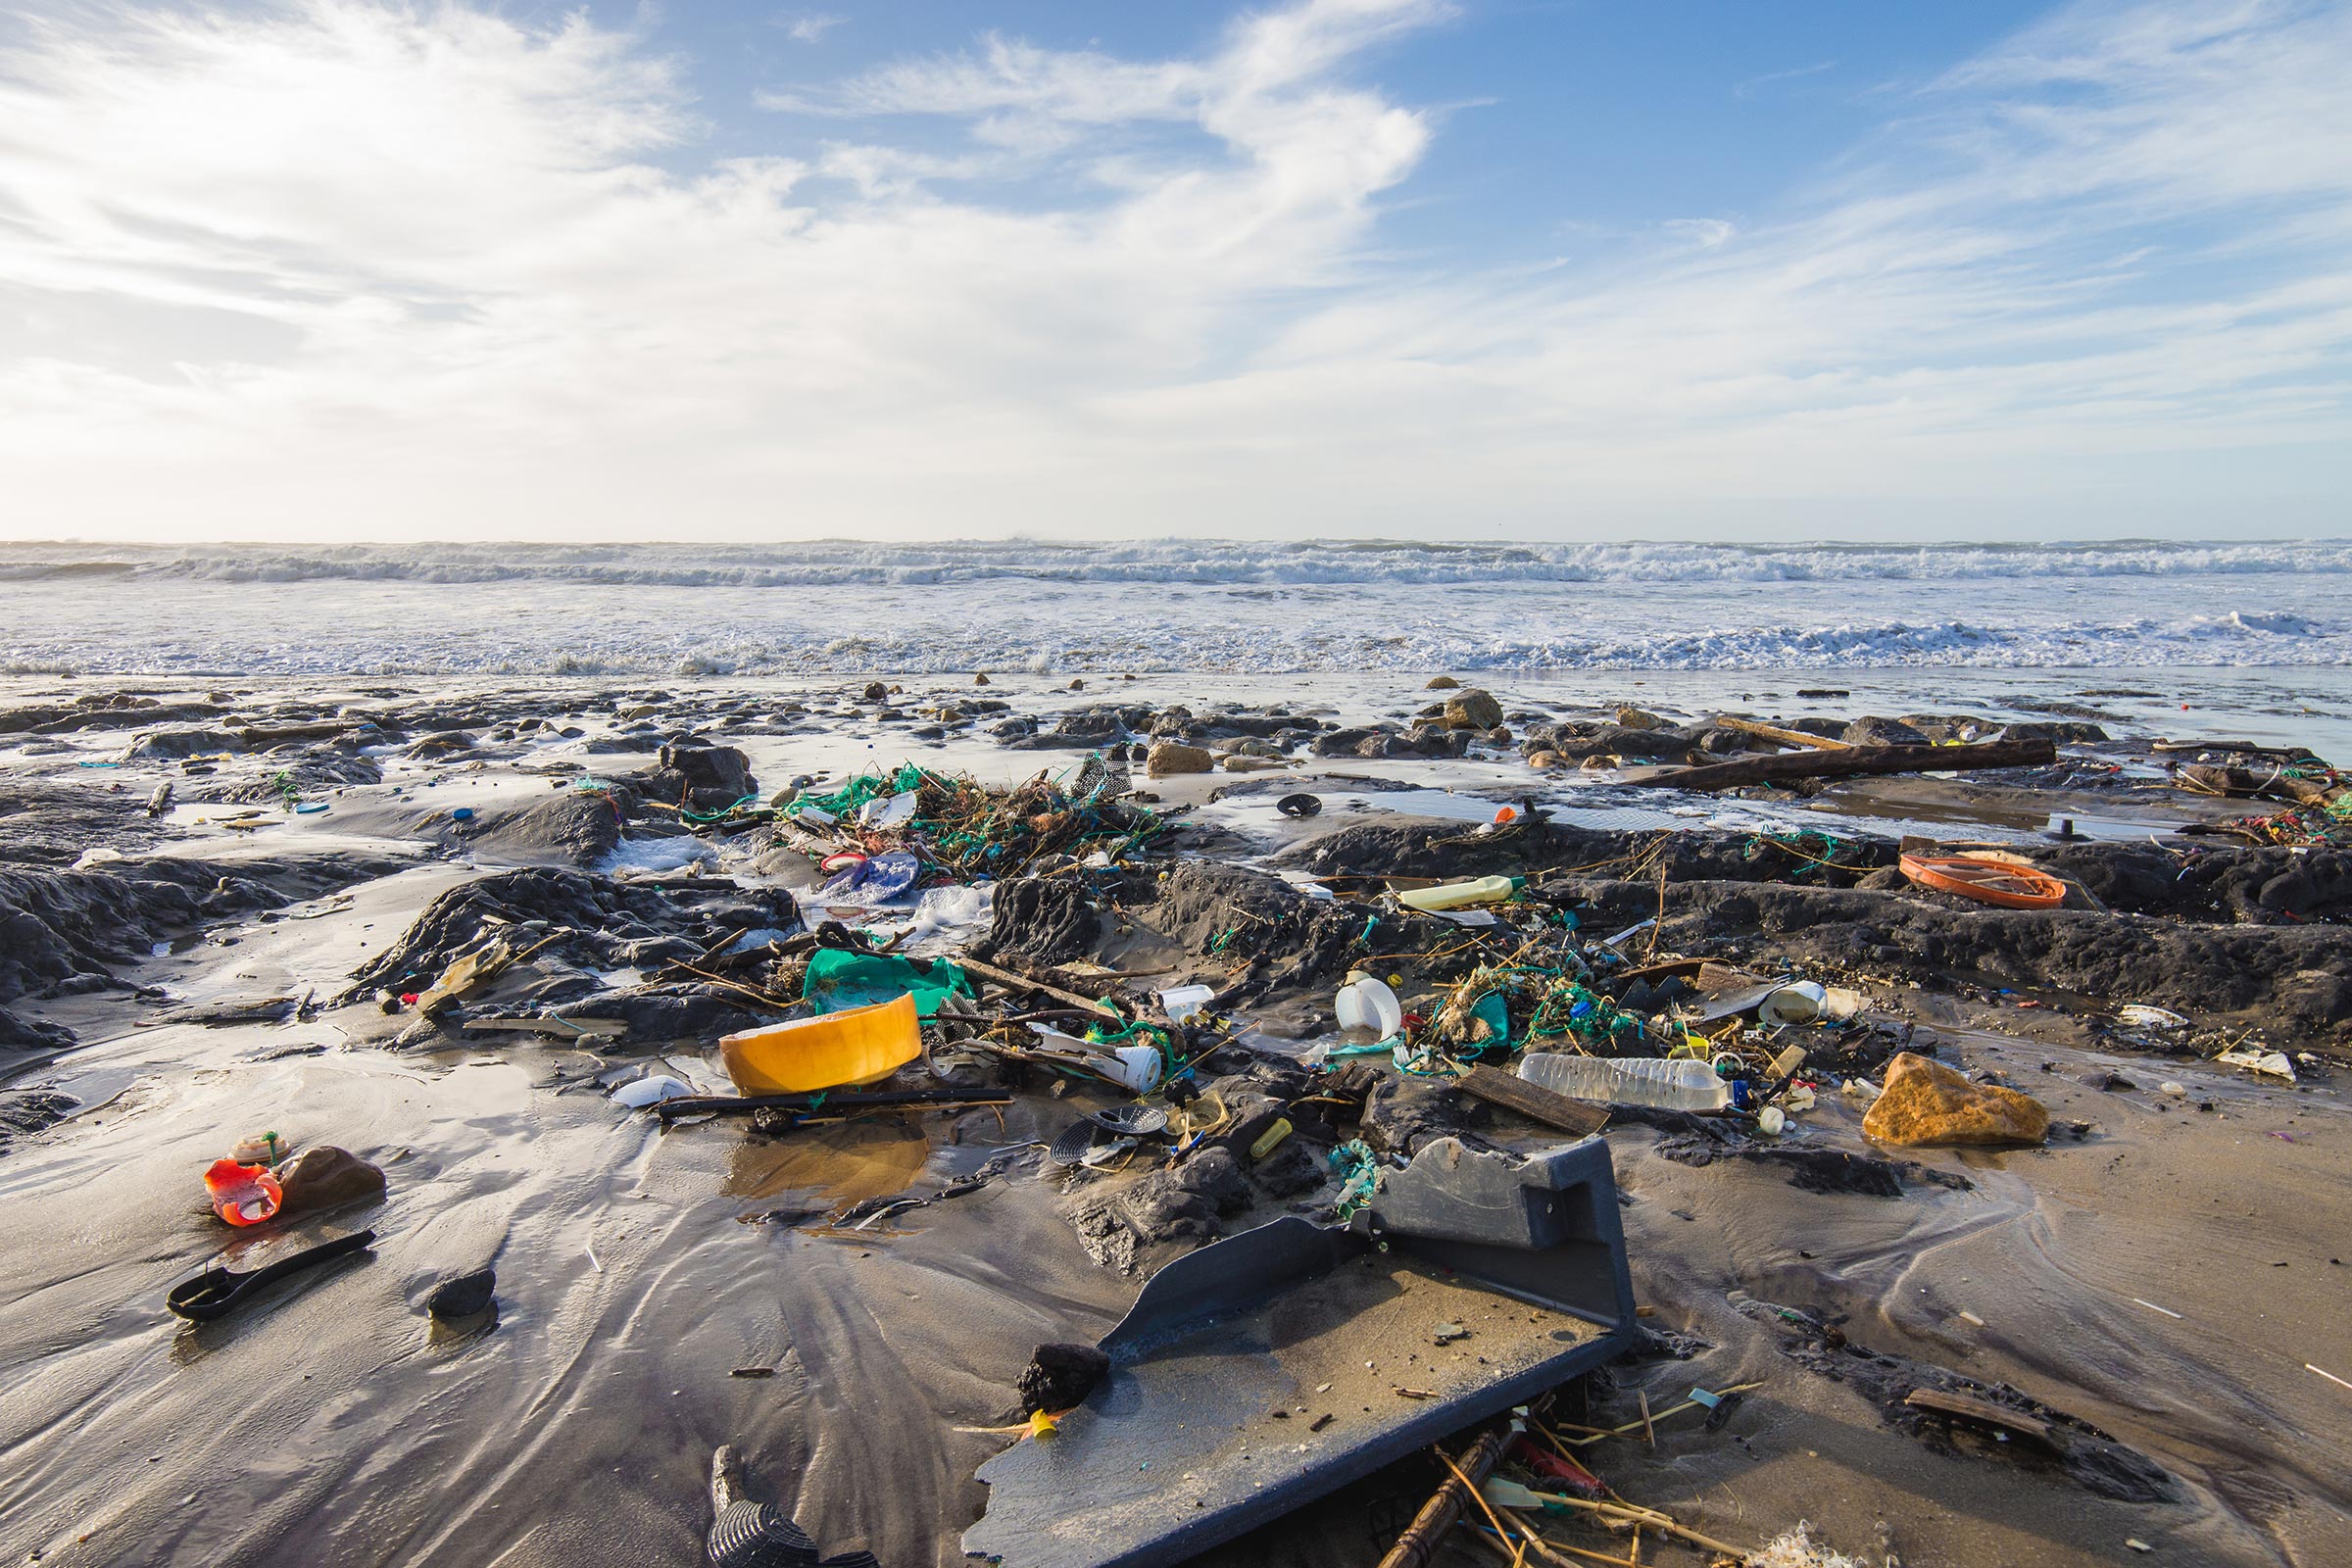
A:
1705,232
346,267
808,27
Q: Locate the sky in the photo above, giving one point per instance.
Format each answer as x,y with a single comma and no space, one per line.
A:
327,270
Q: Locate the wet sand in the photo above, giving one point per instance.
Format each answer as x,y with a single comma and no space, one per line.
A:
638,1270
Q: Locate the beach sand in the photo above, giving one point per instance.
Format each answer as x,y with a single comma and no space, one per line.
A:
2164,1271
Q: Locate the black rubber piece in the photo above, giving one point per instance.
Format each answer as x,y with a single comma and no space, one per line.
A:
1300,805
215,1291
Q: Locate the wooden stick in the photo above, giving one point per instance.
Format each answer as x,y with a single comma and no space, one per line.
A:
1787,737
1853,762
1532,1100
1421,1538
1022,982
1630,1514
1649,1433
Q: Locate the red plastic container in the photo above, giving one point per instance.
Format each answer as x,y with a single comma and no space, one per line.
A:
243,1195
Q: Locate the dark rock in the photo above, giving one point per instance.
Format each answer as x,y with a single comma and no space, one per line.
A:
26,1111
1178,1204
71,929
1882,732
178,742
463,1295
575,827
443,743
1401,1114
1050,920
695,771
1060,1377
2078,734
22,1039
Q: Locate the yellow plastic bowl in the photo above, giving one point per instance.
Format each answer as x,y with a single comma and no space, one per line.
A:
853,1047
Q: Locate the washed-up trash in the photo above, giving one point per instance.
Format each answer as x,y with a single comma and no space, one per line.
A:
1801,1003
839,979
826,1052
887,811
1532,1260
874,879
2139,1016
1631,1081
1505,1492
1131,1121
2012,887
945,909
243,1195
651,1091
1730,993
217,1292
463,975
1301,805
1074,1143
1139,1067
261,1148
1365,1003
1270,1140
2269,1063
755,1535
1460,895
1180,1003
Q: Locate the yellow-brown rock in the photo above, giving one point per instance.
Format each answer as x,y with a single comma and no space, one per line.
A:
1170,756
1926,1104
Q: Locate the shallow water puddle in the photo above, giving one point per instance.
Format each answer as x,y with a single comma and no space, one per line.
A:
825,1168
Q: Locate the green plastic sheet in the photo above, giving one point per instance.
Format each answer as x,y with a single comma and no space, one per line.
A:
839,980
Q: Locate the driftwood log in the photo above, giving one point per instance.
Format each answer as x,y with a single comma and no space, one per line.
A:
1855,761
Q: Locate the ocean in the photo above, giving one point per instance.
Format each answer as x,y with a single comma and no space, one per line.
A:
847,607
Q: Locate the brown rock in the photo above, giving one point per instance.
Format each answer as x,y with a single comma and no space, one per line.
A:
326,1177
1443,683
1928,1103
1543,759
1171,757
981,679
1639,718
1473,710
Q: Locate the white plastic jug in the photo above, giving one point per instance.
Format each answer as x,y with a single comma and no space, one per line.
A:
1365,1003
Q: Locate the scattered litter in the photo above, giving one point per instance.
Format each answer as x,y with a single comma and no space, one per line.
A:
2269,1063
650,1091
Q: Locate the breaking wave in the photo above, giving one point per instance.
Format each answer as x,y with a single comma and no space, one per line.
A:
849,564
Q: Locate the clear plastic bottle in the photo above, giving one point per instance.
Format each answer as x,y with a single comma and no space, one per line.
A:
1629,1080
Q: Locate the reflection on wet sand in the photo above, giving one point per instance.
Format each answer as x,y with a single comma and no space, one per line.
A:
824,1169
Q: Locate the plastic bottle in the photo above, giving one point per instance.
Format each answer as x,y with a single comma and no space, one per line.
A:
1462,895
1629,1080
